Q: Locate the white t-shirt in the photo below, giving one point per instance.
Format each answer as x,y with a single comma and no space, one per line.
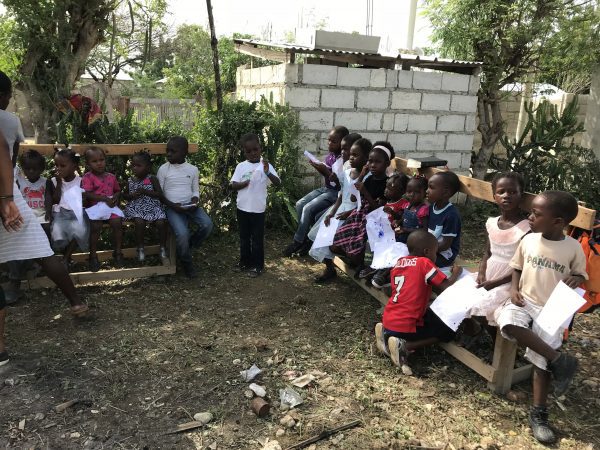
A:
179,182
35,195
11,128
252,199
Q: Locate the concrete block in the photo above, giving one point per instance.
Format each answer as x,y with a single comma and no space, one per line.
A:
463,103
373,99
316,120
414,154
474,81
403,143
378,78
453,122
429,81
401,122
291,73
470,124
352,120
405,79
374,121
301,97
374,137
388,122
435,102
406,100
431,142
308,141
460,142
454,159
351,76
465,160
422,122
455,82
318,74
337,98
391,78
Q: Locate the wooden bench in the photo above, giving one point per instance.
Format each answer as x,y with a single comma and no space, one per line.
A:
168,266
501,373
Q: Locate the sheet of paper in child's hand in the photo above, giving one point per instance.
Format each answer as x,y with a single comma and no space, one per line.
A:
311,157
325,235
454,304
560,307
386,255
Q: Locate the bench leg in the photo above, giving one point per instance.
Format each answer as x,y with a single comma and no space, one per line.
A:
505,352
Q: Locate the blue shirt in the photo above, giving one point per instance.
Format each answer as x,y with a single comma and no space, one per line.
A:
443,223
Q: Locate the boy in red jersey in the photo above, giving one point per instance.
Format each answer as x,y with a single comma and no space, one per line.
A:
408,322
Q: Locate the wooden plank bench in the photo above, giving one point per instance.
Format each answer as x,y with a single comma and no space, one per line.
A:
501,373
168,266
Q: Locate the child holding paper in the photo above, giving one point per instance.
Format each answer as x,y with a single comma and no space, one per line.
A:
408,323
315,202
543,259
69,226
357,155
250,179
102,187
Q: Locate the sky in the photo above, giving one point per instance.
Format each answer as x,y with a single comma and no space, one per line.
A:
390,17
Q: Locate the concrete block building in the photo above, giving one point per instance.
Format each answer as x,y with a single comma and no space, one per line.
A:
421,112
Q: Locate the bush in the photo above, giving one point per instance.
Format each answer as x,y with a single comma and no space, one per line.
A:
546,158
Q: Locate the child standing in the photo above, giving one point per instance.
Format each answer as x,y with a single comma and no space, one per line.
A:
346,202
315,202
444,220
408,323
69,227
351,237
543,259
416,212
179,182
504,235
250,180
143,193
101,186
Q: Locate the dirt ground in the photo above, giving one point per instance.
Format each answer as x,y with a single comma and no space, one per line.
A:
160,350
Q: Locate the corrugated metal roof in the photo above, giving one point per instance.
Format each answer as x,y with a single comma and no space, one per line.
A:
415,60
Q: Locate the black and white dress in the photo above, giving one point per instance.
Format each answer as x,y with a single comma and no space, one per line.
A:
144,207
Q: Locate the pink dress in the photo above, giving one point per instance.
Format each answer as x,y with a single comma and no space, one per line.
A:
503,245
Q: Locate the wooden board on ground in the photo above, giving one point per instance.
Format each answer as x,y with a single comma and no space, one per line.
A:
482,190
109,149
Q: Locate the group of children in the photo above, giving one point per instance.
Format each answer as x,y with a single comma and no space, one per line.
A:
526,256
73,208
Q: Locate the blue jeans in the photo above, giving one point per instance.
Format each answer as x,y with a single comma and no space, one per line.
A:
185,240
310,206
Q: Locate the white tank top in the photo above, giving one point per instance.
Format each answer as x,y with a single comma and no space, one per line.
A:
66,185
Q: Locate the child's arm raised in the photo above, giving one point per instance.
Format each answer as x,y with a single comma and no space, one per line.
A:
274,178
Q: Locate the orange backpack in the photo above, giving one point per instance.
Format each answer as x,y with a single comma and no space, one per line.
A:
591,249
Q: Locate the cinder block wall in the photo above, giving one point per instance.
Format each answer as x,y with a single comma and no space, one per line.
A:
420,113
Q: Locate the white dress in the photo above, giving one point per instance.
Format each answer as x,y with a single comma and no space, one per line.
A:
503,245
30,241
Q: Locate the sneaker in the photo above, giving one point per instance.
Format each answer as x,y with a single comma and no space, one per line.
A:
141,255
366,272
380,340
538,421
381,279
397,348
163,253
254,272
305,248
563,370
94,264
189,270
4,358
292,248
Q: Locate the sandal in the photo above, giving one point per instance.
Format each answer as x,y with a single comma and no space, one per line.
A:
79,311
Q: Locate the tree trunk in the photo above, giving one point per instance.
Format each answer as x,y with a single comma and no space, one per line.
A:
215,50
490,127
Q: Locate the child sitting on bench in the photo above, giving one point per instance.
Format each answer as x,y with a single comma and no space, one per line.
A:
444,221
543,259
408,323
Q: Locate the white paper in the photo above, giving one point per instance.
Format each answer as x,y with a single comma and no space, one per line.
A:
311,157
73,198
454,304
325,234
101,211
386,255
558,311
379,228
